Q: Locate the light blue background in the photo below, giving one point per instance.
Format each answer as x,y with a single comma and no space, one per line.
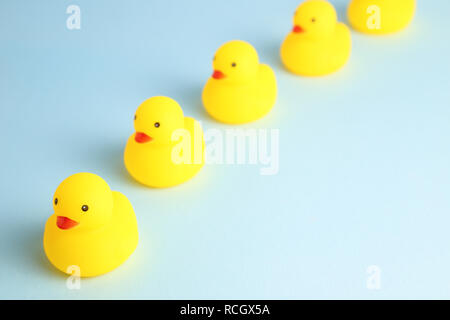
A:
364,154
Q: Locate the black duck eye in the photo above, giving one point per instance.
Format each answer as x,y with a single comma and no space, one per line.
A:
214,58
56,201
233,64
157,124
135,117
85,208
313,20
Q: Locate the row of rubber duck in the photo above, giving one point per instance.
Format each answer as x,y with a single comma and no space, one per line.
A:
95,228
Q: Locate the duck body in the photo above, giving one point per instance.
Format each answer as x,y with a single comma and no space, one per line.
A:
153,166
97,250
316,56
167,148
318,44
236,103
378,17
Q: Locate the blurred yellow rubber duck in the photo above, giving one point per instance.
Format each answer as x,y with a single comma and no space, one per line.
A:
167,148
93,229
318,44
380,16
241,89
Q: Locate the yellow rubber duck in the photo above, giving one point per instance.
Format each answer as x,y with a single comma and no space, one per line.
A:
381,16
318,44
167,148
93,230
240,89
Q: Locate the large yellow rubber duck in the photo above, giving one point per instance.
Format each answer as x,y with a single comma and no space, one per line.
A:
318,44
380,16
240,89
93,230
167,148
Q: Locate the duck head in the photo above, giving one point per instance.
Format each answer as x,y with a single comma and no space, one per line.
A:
83,201
315,19
235,62
156,119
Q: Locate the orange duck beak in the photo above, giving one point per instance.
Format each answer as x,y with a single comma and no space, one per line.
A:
298,29
65,223
218,75
141,137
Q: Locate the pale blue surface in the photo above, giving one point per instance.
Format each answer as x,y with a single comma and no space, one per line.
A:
364,154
